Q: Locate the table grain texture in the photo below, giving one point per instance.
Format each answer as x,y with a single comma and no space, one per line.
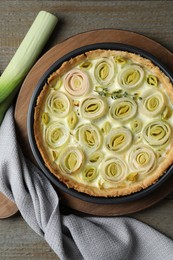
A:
153,19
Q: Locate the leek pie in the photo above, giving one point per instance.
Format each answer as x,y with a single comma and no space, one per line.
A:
103,123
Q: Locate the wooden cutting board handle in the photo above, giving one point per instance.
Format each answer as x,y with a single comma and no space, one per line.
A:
7,207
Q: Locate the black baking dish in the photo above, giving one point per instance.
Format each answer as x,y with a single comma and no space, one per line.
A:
30,120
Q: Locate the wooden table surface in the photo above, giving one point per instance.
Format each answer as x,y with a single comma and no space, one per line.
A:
153,19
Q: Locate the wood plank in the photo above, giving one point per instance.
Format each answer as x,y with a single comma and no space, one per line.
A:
19,241
153,19
88,15
159,217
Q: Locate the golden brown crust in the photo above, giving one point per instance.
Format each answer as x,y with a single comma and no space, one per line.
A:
123,188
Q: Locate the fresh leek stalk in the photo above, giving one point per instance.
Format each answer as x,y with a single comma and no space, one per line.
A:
24,58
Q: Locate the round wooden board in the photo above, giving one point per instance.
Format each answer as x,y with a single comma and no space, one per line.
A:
7,207
105,35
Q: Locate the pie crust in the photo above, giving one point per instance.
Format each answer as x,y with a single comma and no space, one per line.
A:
103,123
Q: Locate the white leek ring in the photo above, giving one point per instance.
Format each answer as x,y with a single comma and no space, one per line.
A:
93,107
90,137
104,71
56,135
123,109
89,173
76,83
142,159
152,103
119,139
131,76
58,104
114,169
157,133
71,160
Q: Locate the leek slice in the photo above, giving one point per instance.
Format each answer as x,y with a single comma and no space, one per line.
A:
136,125
96,157
89,173
167,113
76,83
45,118
131,76
119,139
114,169
86,65
106,127
90,137
72,120
104,71
152,80
152,103
120,60
54,154
56,135
93,107
71,160
58,84
27,53
157,133
123,109
133,177
58,104
142,159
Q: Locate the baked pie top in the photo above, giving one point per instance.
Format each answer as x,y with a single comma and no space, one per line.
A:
103,123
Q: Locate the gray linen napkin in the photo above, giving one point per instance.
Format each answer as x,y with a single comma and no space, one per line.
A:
70,236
